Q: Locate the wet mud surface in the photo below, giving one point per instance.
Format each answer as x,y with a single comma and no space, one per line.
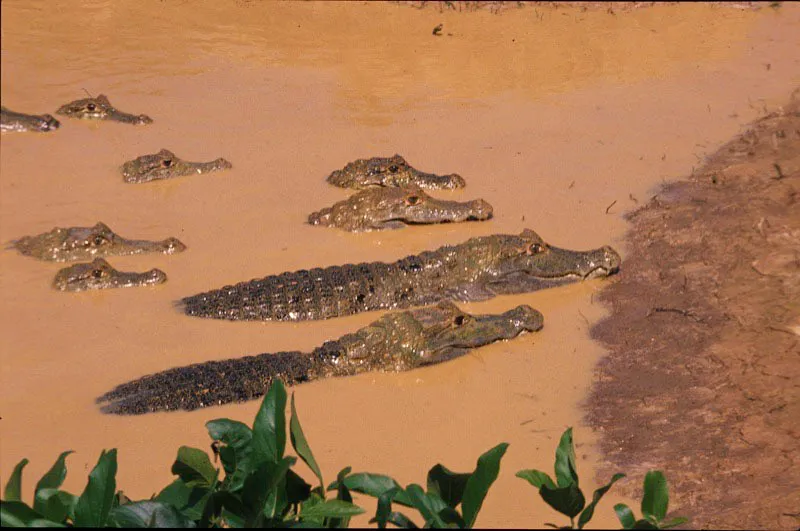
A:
702,377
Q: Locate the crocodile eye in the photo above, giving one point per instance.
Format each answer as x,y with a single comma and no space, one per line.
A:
394,168
460,320
166,163
91,106
536,248
413,200
99,240
97,273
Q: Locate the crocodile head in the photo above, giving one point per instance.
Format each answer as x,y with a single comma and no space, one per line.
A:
19,122
390,171
381,208
100,108
99,274
531,264
166,165
405,340
85,243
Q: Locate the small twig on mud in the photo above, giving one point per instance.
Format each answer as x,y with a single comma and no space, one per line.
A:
630,196
571,185
685,313
438,30
584,318
778,169
776,329
611,205
87,93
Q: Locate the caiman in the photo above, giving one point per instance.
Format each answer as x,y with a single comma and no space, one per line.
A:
11,121
99,274
85,243
100,108
166,165
390,171
475,270
397,341
393,208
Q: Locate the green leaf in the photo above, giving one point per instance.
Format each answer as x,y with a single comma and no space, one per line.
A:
55,476
95,503
428,505
401,520
13,490
447,484
300,444
672,522
625,515
190,501
16,514
384,508
567,500
342,493
260,493
331,509
194,467
55,505
150,514
297,490
269,428
479,482
537,478
566,471
44,523
373,485
451,518
588,512
656,495
235,451
644,524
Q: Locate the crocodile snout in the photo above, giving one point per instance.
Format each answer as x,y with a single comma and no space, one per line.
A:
481,210
173,245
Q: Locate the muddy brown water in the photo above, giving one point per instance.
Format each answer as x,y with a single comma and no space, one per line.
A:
561,119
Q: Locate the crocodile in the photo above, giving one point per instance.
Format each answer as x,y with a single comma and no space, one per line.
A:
99,274
391,171
84,243
475,270
398,341
100,108
393,208
166,165
11,121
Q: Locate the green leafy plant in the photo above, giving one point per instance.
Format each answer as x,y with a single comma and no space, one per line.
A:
564,495
655,503
438,504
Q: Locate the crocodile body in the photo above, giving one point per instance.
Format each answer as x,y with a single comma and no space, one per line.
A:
166,165
100,108
390,171
18,122
397,341
85,243
477,269
394,208
99,274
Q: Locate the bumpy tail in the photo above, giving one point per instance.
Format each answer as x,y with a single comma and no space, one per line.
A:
207,384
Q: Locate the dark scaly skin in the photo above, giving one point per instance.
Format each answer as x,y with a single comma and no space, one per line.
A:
475,270
166,165
398,341
100,108
85,243
99,274
393,208
391,171
18,122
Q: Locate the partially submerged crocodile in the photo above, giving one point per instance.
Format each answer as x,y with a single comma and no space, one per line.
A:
20,122
397,341
393,208
85,243
390,171
166,165
99,274
100,108
475,270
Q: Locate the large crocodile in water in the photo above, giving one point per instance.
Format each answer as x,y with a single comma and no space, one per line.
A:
84,243
397,341
166,165
18,122
100,108
390,171
99,274
475,270
393,208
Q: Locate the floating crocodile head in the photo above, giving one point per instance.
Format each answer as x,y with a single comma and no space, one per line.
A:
390,171
100,108
85,243
99,274
19,122
166,165
392,208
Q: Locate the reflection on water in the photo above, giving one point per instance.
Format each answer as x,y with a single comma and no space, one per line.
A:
561,120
